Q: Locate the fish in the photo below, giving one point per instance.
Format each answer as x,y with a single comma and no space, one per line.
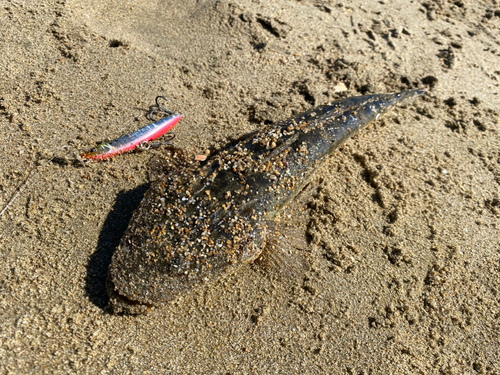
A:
205,220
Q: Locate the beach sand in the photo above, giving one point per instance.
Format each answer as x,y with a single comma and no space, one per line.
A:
401,224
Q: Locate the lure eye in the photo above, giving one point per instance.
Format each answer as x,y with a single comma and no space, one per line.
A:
93,150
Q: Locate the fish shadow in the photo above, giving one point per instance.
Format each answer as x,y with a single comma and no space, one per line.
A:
113,229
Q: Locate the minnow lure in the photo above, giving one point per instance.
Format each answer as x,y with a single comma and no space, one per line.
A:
208,218
130,141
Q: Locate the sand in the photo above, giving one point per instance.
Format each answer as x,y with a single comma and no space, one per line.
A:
401,224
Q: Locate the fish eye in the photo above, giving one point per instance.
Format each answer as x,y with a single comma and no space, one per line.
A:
93,150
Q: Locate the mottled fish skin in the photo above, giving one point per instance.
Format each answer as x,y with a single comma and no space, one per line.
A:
207,219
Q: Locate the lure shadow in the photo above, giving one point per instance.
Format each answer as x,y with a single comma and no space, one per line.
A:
114,227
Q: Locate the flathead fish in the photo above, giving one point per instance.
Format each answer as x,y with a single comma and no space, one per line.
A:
207,219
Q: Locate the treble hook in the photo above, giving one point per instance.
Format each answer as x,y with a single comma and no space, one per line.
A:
158,108
170,136
167,142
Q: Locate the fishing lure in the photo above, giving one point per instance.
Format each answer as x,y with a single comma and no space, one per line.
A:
208,218
139,137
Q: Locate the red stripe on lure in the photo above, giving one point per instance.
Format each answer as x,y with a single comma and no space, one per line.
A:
132,140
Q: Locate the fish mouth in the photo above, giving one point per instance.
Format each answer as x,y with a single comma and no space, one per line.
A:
121,305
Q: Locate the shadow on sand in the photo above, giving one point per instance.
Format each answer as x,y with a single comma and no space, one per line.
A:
114,227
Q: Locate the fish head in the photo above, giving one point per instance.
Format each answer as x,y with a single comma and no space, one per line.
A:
152,267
